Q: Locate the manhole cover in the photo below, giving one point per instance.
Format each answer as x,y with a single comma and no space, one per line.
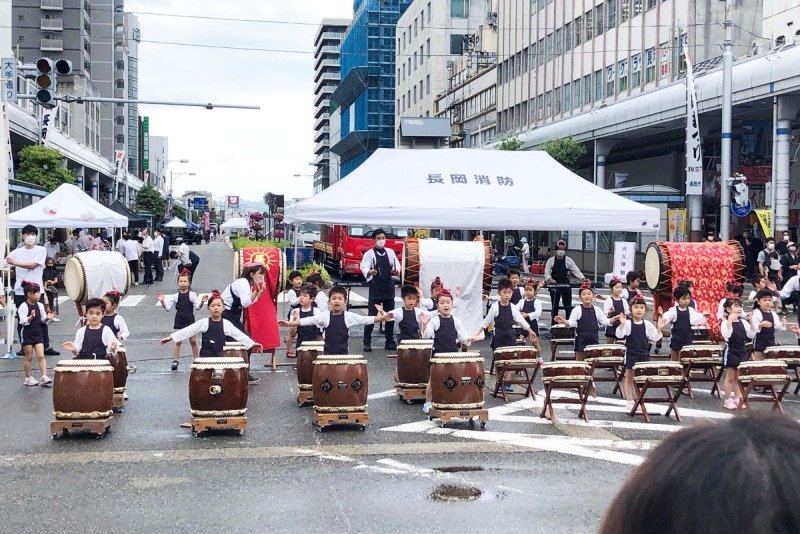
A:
458,469
453,493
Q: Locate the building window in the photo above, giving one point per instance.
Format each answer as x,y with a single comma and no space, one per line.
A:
600,21
548,46
567,97
598,85
420,90
428,84
611,14
416,27
610,81
421,20
428,49
587,89
459,9
578,31
428,13
637,7
558,43
524,57
456,43
623,75
665,61
548,104
534,51
415,61
587,22
682,44
557,100
651,4
636,70
576,94
780,41
568,36
650,65
624,10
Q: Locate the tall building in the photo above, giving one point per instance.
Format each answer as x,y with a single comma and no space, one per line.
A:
326,78
103,68
470,102
131,60
58,29
365,96
781,23
158,160
430,36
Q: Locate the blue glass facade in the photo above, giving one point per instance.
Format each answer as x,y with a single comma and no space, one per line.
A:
366,92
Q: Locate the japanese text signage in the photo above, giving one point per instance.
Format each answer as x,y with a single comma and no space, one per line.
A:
146,143
624,258
474,179
9,76
694,152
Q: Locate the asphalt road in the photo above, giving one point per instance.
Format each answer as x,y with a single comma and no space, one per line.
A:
149,474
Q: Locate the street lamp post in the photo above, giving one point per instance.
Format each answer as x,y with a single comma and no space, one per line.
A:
172,182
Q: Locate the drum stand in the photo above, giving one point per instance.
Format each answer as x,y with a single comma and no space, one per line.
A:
323,420
679,383
555,343
583,385
612,363
63,427
511,366
118,401
708,368
769,384
408,392
305,396
445,415
204,424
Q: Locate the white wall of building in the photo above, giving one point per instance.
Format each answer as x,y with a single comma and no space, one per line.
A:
424,50
781,18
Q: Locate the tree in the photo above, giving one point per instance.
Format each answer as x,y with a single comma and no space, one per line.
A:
43,166
567,152
179,212
148,200
509,143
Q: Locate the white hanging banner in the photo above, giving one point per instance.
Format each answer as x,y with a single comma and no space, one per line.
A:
624,258
694,149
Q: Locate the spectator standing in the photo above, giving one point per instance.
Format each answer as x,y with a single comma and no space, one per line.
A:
526,254
148,247
557,271
751,246
158,248
133,251
53,248
783,245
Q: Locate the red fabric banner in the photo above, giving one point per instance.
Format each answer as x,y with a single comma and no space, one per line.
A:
261,318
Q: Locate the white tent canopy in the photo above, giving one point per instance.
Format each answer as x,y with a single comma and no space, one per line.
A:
235,223
471,189
67,207
175,222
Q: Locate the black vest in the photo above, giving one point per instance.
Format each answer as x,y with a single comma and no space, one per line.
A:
108,320
308,332
504,327
336,335
446,337
212,344
516,296
738,339
92,348
409,327
381,286
637,343
611,331
682,328
559,273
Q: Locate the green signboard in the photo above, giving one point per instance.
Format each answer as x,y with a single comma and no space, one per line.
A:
146,143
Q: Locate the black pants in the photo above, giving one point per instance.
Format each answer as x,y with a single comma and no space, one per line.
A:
134,265
148,267
564,294
191,267
388,329
18,300
159,266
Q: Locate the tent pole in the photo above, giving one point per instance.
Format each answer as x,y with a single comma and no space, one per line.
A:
294,229
596,246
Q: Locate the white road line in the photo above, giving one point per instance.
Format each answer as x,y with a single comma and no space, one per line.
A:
131,300
62,299
406,467
384,470
382,394
593,423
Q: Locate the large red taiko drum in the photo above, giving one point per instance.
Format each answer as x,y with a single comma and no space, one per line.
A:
457,380
413,364
83,389
218,387
340,383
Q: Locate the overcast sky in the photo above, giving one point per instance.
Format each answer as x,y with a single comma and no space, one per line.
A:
234,152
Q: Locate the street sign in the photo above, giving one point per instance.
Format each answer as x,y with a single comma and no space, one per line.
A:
9,75
742,211
146,143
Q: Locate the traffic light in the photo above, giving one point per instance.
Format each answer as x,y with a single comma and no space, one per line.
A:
47,72
277,201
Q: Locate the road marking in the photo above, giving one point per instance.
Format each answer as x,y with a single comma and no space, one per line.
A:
382,394
384,470
62,299
131,300
406,467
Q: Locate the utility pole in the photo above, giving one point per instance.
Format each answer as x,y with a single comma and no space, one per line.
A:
727,126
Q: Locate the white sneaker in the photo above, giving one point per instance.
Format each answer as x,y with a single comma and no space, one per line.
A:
730,403
426,408
56,320
45,381
30,381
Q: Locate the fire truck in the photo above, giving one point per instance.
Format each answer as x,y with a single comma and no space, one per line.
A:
341,248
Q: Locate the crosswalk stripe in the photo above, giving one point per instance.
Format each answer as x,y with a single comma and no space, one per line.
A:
131,301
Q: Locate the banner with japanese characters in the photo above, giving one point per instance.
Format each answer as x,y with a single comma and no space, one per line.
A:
765,220
694,149
676,224
624,258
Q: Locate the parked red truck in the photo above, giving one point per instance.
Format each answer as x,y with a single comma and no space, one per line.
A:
341,248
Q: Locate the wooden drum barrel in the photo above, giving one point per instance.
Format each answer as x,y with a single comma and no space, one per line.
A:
306,356
340,383
412,262
457,380
83,389
413,362
218,387
235,350
91,274
119,361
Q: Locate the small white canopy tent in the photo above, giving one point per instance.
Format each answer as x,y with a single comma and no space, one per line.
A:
67,207
175,222
471,189
236,223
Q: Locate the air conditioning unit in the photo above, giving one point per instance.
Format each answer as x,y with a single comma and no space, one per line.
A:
491,18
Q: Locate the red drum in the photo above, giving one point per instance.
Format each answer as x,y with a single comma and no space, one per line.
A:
788,353
423,342
566,371
235,350
413,365
457,380
218,387
412,262
608,350
119,361
562,331
657,372
516,353
765,370
83,389
306,355
340,383
700,352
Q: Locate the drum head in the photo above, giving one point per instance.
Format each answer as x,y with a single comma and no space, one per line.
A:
652,266
75,279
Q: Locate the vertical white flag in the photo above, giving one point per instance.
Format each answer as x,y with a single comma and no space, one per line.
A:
694,149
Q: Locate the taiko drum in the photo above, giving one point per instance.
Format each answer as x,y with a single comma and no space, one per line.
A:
83,389
218,387
413,363
340,383
457,380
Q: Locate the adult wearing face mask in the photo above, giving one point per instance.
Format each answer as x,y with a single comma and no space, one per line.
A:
769,262
751,246
790,262
782,246
557,271
378,265
28,262
710,236
53,248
